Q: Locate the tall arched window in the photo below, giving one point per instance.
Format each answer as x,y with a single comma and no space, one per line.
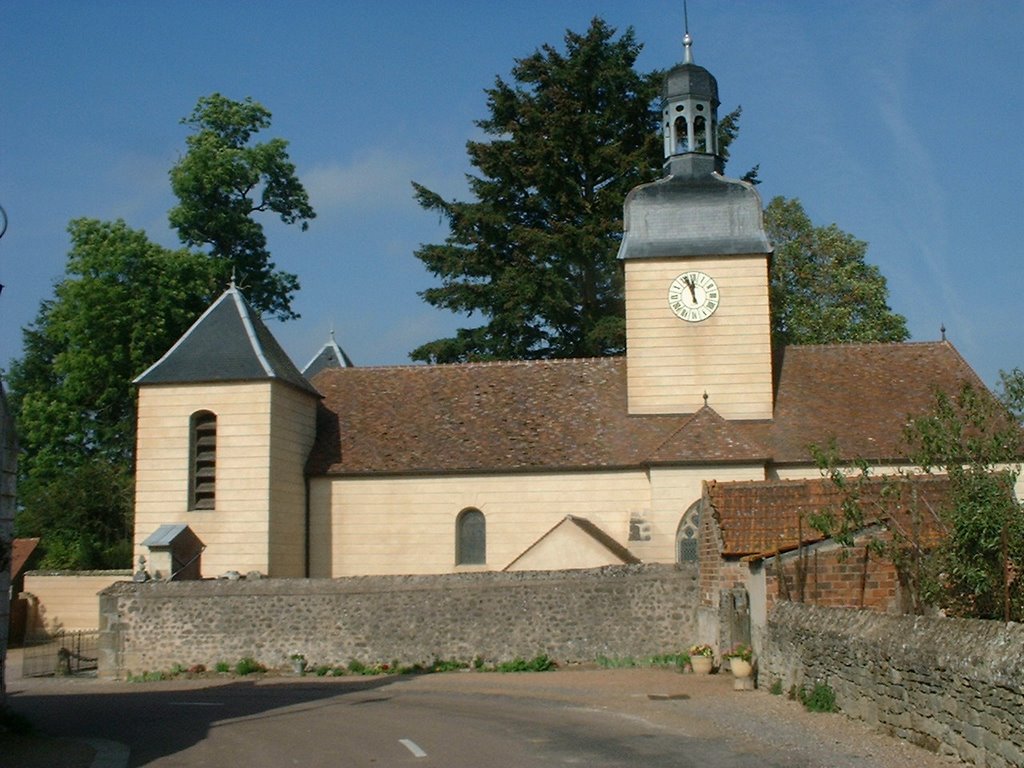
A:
470,538
202,465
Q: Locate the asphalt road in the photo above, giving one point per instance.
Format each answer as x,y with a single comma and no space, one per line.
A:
595,718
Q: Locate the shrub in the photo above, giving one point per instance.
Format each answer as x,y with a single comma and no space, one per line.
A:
541,663
247,666
821,698
222,667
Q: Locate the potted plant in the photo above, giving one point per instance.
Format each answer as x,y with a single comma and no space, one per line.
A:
298,663
702,659
741,660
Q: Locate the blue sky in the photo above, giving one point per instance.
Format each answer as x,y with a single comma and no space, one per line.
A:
899,121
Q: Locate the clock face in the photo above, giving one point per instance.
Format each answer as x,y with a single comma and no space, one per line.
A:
693,296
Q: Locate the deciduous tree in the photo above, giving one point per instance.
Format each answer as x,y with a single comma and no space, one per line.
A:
223,181
822,289
975,440
122,303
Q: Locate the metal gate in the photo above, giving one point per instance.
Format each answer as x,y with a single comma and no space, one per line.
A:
66,653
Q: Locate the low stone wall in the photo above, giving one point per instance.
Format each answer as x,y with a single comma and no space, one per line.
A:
65,600
953,686
570,615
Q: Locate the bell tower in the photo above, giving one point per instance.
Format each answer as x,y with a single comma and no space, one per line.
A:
696,260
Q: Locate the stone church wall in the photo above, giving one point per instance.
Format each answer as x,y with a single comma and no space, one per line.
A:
622,611
953,686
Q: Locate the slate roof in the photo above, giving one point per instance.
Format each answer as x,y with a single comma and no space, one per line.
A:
765,517
572,414
692,214
228,342
330,355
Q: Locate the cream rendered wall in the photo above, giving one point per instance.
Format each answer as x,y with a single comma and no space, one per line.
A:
293,423
567,546
801,473
406,525
673,490
671,363
66,600
236,532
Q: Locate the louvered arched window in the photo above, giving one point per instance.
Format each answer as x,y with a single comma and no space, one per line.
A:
202,475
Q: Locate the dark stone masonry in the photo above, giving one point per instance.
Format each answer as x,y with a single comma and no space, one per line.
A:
622,611
953,686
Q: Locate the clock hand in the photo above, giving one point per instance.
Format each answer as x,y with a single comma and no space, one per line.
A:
692,286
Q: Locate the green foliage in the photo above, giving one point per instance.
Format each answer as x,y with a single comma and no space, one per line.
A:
222,181
122,303
248,666
1011,392
776,687
222,667
977,442
821,698
535,254
822,290
541,663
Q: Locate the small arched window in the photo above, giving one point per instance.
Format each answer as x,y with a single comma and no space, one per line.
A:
202,474
470,538
682,139
687,550
700,133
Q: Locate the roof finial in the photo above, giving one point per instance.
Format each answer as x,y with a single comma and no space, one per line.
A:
705,398
231,285
942,330
687,40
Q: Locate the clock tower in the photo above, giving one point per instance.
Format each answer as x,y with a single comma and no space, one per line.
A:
696,258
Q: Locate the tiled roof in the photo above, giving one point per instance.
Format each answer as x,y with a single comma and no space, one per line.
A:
550,414
228,342
764,517
707,437
572,414
21,551
858,394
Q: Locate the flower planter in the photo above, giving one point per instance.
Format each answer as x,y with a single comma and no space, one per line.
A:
701,665
740,668
299,666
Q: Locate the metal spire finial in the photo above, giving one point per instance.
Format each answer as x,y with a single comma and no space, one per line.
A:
705,397
942,330
687,40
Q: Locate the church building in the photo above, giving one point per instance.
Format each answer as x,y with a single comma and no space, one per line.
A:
341,470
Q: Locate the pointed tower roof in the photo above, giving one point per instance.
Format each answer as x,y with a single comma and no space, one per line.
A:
693,210
228,342
329,356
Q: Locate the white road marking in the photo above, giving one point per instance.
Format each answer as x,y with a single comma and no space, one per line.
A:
413,747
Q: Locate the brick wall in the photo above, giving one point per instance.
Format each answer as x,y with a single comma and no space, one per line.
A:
954,686
828,575
622,611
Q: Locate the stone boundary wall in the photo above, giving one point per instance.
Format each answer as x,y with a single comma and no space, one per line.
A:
953,686
619,611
